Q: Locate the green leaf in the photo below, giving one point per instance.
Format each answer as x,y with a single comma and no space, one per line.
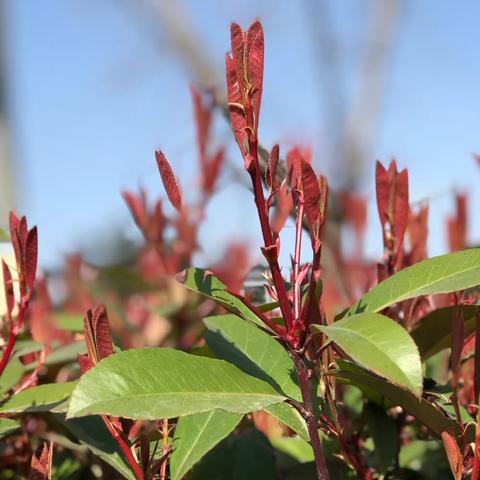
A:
153,383
248,456
443,274
380,390
69,322
379,344
434,331
92,432
295,447
12,374
51,397
253,351
290,417
384,435
204,282
62,355
8,426
197,434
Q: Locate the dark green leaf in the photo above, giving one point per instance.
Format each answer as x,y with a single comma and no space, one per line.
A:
197,434
92,432
248,456
379,390
384,434
253,351
153,383
379,344
443,274
433,332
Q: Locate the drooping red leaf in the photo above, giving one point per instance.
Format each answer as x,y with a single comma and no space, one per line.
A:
41,464
169,181
457,225
31,256
8,288
254,50
323,204
271,173
453,454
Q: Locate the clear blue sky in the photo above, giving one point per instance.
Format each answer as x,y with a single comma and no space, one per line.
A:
95,89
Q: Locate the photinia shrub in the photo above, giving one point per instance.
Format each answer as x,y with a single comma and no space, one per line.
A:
294,388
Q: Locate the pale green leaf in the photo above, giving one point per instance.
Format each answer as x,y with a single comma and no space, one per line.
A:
204,282
380,344
289,417
153,383
443,274
8,426
51,397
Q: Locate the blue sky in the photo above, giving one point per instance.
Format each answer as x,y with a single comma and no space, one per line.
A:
94,89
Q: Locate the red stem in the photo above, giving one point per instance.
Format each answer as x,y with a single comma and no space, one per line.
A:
268,240
124,447
309,415
163,470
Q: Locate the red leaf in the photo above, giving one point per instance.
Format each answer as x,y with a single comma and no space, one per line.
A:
294,165
103,339
8,287
212,171
202,117
382,190
283,208
31,256
84,362
255,57
168,180
235,105
41,465
137,207
418,235
237,41
271,173
311,195
401,208
453,454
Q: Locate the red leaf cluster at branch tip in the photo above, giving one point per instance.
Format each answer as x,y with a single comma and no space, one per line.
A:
169,181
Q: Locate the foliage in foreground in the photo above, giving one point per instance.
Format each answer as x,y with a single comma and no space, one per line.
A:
294,388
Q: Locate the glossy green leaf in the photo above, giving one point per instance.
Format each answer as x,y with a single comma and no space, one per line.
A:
384,434
92,432
384,392
8,426
434,331
290,417
197,434
443,274
379,344
204,282
51,397
253,351
153,383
